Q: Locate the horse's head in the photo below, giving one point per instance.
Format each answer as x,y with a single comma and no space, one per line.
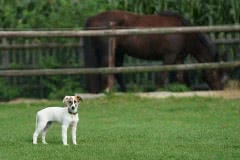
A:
217,78
206,52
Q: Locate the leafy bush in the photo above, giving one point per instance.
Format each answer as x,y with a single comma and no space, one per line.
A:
175,87
7,91
28,14
68,87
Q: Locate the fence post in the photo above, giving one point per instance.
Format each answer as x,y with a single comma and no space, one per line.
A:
111,58
5,54
80,52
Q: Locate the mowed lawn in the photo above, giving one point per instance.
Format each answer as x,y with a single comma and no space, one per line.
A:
128,127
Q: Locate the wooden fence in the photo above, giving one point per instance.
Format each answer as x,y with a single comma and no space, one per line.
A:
32,50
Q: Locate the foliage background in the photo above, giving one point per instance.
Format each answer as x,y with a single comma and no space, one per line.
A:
71,14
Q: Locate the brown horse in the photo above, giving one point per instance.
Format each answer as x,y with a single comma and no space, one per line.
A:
170,48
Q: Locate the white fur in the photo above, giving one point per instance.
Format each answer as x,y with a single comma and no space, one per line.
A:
66,116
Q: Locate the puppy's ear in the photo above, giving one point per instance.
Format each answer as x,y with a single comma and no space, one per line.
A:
79,98
65,99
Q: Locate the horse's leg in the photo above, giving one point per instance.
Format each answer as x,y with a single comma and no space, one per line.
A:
91,61
103,56
93,80
168,59
163,79
119,63
182,76
104,77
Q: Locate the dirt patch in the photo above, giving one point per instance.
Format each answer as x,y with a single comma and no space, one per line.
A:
228,94
29,100
25,100
90,96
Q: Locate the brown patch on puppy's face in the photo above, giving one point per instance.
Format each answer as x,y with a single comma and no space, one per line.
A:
78,98
65,100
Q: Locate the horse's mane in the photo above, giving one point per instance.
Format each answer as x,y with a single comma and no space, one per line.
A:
202,37
178,16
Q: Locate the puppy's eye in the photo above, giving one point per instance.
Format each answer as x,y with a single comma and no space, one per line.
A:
70,102
75,101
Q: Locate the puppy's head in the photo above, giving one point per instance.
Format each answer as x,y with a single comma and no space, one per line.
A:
72,103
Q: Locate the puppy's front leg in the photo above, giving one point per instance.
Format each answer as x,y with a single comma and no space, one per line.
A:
64,134
74,130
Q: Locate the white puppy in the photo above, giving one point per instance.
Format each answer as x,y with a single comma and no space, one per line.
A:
66,116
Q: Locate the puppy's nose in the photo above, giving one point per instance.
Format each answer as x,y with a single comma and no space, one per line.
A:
73,107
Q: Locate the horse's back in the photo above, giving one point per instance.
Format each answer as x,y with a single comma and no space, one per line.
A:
128,19
158,21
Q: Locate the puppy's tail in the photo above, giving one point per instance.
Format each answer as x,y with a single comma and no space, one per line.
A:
37,117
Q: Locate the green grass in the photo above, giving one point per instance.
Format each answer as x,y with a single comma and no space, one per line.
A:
129,127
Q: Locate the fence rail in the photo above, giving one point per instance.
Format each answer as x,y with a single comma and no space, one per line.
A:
39,45
120,32
112,70
57,45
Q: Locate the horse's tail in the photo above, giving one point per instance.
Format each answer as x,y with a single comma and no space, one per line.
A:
91,60
87,50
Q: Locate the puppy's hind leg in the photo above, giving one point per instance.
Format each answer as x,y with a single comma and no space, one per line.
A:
40,125
44,132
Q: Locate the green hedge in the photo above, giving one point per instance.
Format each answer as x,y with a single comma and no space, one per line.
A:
72,13
199,12
27,14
